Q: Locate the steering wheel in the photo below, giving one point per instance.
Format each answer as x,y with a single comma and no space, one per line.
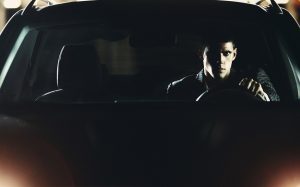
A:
228,95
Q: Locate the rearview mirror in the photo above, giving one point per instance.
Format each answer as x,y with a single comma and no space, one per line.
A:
152,39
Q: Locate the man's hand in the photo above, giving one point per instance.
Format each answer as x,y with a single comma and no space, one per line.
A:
254,87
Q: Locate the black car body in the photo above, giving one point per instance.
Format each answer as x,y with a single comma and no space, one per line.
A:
134,136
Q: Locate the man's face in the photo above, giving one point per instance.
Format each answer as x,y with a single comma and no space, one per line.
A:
217,60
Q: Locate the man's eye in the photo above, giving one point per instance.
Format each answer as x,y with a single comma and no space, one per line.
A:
226,53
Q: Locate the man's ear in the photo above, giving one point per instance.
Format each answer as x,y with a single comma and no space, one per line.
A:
234,53
199,54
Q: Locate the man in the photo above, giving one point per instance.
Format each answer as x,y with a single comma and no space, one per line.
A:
218,56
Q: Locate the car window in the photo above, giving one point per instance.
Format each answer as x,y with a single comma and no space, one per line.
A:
134,63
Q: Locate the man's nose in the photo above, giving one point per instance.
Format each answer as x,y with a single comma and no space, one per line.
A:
220,58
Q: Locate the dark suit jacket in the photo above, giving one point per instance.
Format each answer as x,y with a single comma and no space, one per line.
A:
189,88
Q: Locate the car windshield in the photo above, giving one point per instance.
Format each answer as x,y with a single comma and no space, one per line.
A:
127,63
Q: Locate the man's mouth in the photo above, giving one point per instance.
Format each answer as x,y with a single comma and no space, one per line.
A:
221,69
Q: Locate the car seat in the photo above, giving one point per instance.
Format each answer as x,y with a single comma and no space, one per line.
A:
80,76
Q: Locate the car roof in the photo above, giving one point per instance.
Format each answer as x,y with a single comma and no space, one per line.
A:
133,10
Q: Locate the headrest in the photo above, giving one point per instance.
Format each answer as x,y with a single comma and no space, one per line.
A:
79,68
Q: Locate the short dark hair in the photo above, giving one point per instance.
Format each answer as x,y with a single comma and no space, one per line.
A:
213,37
